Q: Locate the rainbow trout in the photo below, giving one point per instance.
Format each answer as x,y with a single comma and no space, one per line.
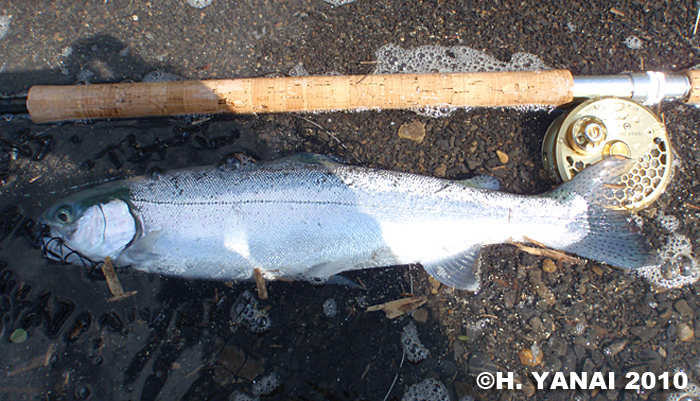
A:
307,216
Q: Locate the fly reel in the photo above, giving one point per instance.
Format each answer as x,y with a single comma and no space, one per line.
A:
600,128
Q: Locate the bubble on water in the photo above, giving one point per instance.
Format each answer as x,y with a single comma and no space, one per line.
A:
298,71
437,111
427,390
246,311
633,42
312,279
676,265
414,349
669,222
330,308
199,3
266,385
4,25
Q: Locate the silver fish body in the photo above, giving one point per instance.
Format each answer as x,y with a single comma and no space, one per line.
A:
306,216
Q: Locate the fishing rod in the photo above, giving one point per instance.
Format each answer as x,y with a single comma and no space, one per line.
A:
47,104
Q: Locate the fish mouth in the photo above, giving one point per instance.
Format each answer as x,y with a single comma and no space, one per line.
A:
54,248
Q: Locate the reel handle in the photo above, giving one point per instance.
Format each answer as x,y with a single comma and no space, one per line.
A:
694,92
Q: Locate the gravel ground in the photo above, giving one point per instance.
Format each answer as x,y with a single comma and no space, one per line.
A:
176,340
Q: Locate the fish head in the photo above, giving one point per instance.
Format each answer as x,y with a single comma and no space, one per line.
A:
89,225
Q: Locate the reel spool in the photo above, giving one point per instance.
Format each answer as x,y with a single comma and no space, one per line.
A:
600,128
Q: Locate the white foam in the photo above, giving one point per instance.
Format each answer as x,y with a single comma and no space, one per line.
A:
298,71
161,76
330,308
339,2
66,51
676,266
440,111
668,221
199,3
427,390
392,59
4,25
414,349
85,76
633,42
247,312
239,396
266,385
691,392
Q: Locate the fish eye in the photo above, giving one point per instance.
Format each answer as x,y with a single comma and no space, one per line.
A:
64,215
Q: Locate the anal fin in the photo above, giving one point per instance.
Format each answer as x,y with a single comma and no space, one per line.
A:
482,182
330,268
460,271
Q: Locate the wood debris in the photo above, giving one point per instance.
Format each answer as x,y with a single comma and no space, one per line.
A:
42,360
691,206
260,284
396,308
115,286
615,11
550,253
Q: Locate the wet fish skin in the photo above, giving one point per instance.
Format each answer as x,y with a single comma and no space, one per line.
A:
308,216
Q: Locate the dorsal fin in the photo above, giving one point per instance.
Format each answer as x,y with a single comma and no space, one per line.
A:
315,158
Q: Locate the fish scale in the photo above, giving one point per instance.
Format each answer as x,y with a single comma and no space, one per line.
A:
308,216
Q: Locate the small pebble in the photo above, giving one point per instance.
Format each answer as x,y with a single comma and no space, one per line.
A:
683,308
414,131
420,315
549,266
502,157
18,336
616,347
684,332
440,171
528,389
597,270
531,356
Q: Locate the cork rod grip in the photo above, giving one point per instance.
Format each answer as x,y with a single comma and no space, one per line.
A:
298,94
694,78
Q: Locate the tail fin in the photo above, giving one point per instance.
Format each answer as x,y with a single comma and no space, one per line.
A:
612,237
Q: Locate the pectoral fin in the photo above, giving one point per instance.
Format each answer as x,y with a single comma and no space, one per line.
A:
141,251
460,271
